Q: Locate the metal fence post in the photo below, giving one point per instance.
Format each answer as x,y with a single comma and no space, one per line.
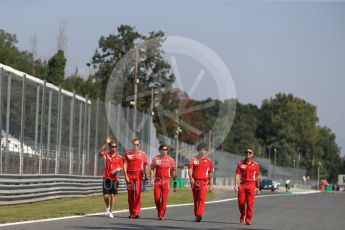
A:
22,119
127,130
8,107
49,129
56,171
36,125
2,71
58,153
36,118
84,137
88,135
150,138
107,116
42,128
60,131
118,122
79,134
96,139
71,121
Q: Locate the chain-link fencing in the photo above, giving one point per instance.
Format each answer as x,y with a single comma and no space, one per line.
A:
48,130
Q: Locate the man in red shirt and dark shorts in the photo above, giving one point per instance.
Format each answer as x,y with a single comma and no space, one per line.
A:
246,183
113,165
163,166
135,162
200,170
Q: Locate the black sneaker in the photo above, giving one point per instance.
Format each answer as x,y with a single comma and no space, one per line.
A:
136,217
198,218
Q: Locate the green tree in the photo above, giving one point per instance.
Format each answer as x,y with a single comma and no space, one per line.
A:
8,49
56,68
289,124
20,60
330,158
242,134
115,46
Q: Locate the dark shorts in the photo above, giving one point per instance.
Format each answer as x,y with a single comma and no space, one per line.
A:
110,186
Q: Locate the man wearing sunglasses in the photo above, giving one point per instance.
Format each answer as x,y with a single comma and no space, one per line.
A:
200,170
162,166
135,169
246,183
113,165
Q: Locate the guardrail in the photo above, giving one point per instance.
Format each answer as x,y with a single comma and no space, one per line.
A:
18,189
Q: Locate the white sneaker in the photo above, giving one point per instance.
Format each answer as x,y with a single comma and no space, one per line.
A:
111,215
106,212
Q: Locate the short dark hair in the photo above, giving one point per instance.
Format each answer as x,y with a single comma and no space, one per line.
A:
201,146
136,139
163,145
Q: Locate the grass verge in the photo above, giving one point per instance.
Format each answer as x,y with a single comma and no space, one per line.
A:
85,205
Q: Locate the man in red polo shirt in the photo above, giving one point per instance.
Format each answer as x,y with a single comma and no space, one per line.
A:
246,183
163,166
113,165
200,170
135,162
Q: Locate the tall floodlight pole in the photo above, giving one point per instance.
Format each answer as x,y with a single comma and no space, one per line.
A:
178,130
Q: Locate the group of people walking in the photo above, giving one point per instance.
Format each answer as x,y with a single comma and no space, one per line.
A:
134,165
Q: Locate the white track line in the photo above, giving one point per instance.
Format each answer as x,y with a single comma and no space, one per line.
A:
148,208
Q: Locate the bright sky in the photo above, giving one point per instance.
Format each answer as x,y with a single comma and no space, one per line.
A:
269,47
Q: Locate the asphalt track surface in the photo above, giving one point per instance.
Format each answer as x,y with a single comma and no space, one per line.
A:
279,211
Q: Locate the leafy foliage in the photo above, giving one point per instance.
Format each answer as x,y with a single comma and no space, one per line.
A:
243,131
21,60
115,46
284,122
289,124
56,68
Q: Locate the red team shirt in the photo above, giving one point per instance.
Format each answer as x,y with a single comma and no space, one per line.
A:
201,167
135,160
248,171
163,166
111,163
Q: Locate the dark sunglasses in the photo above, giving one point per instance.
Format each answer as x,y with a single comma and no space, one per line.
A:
136,144
114,146
250,152
164,149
